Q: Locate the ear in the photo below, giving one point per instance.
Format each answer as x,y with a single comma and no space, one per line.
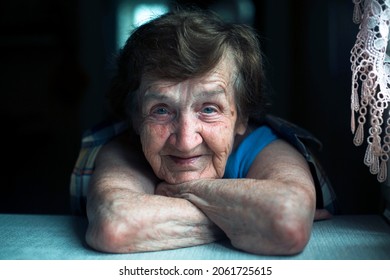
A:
241,126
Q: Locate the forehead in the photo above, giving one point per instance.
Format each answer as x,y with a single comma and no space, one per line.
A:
221,76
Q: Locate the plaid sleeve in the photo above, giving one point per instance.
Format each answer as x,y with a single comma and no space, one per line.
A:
304,142
92,141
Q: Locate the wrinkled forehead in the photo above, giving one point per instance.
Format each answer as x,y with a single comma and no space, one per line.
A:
223,75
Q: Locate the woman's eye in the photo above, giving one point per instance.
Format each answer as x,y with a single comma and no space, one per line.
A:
160,111
209,110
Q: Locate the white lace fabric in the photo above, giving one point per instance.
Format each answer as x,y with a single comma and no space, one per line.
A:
371,83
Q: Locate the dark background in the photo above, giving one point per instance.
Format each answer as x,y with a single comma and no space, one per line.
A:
56,60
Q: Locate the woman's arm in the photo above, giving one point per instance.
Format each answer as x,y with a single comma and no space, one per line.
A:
126,216
270,212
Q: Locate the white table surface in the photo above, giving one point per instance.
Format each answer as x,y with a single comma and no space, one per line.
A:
53,237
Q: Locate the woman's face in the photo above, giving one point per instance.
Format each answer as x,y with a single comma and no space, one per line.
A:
187,129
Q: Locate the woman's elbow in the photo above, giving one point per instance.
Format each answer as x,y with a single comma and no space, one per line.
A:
281,238
286,233
293,237
108,237
294,227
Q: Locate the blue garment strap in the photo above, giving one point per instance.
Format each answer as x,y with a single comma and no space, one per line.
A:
241,159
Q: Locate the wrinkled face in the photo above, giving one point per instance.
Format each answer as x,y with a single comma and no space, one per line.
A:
187,129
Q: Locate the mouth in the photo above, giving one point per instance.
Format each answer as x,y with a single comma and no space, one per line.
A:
185,160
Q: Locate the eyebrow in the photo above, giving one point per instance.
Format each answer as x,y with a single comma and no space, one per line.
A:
216,91
155,95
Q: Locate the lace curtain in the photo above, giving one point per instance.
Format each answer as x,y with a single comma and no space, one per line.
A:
371,83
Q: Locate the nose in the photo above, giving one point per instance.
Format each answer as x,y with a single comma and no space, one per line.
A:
187,133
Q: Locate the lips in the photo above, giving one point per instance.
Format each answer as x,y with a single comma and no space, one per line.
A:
187,160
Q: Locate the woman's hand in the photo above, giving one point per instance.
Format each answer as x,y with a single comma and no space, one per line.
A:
271,214
126,216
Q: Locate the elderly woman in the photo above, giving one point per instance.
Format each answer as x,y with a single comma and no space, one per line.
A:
197,162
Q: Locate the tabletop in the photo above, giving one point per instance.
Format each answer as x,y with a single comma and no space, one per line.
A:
57,237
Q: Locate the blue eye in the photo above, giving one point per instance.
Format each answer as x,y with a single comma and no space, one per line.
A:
209,110
160,111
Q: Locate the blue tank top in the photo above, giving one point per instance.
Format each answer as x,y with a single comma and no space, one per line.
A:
241,159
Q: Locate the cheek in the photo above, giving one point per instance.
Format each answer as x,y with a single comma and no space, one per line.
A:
221,139
153,138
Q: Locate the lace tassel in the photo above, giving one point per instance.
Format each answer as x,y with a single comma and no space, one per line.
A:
369,156
374,167
382,175
359,135
374,152
357,12
354,95
355,103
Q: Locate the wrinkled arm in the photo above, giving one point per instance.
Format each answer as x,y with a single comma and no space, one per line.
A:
270,212
126,216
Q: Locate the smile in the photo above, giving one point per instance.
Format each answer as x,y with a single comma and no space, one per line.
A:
185,160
